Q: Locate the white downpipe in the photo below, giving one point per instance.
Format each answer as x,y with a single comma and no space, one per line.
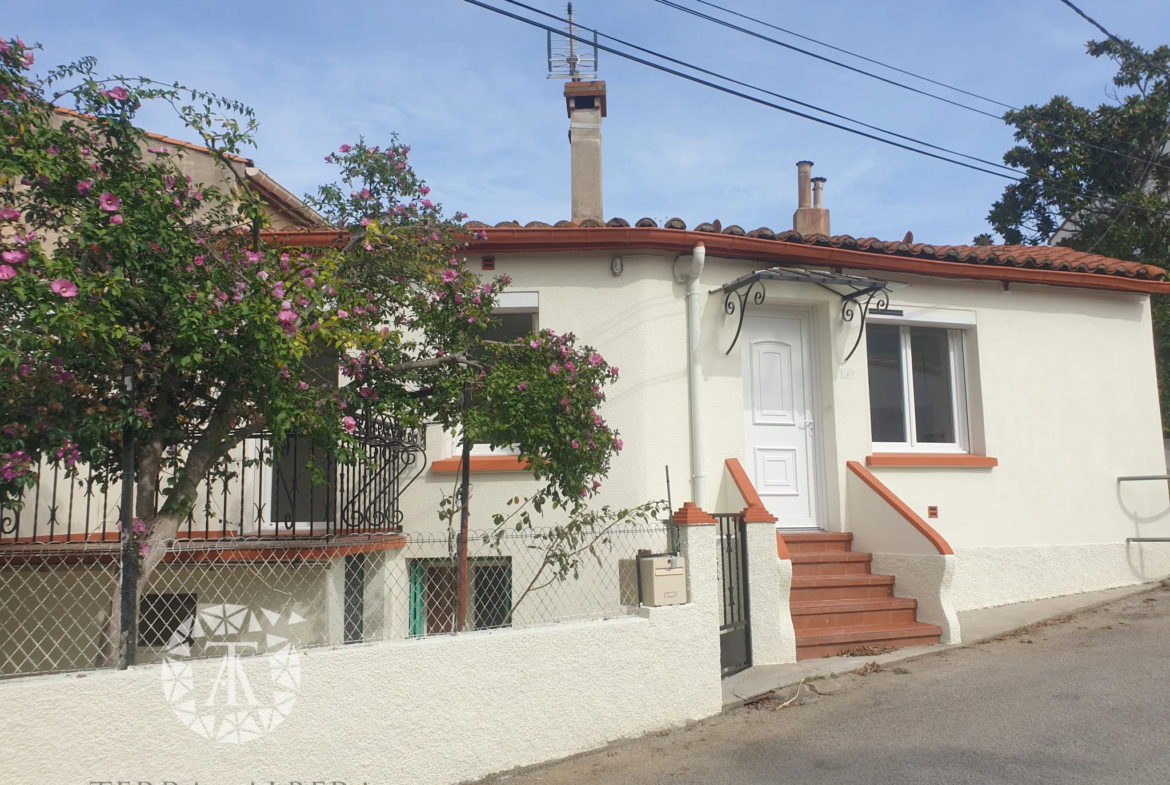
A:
695,377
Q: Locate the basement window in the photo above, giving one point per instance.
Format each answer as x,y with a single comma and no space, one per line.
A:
161,615
917,389
434,587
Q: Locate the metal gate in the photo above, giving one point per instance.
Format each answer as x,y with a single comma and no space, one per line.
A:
735,633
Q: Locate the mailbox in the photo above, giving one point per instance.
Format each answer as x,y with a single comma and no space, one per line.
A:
663,579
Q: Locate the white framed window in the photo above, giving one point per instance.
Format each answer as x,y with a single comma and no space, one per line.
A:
917,388
514,316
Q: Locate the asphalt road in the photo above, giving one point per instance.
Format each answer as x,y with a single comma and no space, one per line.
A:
1083,700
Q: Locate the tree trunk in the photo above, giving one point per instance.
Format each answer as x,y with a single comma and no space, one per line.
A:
163,524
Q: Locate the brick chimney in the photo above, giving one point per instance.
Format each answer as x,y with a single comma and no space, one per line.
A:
586,105
810,217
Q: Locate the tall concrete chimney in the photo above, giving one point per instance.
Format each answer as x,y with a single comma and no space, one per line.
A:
810,217
586,105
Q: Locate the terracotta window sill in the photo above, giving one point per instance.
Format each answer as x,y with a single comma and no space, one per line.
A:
940,460
481,463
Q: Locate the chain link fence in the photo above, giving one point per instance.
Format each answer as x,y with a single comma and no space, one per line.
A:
248,596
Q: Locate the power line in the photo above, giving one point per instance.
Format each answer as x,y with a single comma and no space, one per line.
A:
761,101
1149,63
854,54
762,37
1053,134
773,94
738,94
1161,139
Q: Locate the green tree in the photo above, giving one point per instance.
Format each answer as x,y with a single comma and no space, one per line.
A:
1102,174
110,251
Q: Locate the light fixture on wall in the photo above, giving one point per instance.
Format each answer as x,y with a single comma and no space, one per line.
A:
617,265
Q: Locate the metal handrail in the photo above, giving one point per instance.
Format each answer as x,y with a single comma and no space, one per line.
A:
1139,477
1147,539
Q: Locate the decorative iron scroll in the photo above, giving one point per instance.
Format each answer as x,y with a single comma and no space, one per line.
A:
742,296
852,301
873,292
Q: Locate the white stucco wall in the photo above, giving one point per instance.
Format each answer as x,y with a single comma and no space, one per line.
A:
1061,389
439,710
773,639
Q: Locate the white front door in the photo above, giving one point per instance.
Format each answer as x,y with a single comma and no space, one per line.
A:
778,413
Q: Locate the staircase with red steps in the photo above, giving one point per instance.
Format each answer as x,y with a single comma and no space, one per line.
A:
837,604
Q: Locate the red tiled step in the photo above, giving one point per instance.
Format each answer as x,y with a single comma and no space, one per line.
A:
827,614
817,542
842,587
827,643
807,565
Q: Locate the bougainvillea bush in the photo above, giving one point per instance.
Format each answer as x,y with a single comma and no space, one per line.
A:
110,252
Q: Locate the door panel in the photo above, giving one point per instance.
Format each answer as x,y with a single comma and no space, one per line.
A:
772,383
779,415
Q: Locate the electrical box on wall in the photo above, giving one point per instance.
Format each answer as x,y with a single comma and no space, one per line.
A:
663,580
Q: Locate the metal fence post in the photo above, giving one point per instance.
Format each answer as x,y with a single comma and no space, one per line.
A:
128,633
464,515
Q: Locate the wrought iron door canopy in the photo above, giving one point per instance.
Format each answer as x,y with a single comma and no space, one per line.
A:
857,287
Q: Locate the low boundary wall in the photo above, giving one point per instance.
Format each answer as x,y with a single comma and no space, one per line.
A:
438,710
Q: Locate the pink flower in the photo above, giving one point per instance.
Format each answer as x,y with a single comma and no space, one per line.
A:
143,549
278,289
344,148
350,424
364,222
613,372
254,258
576,444
522,386
109,202
53,150
449,276
303,385
286,317
342,313
285,372
424,190
117,93
309,283
9,214
84,187
617,443
365,193
144,348
554,369
15,256
6,272
64,288
116,219
262,275
427,203
595,359
139,526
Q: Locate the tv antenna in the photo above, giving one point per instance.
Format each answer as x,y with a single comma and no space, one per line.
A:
571,59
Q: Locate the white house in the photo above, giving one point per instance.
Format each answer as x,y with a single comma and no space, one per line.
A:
866,438
966,420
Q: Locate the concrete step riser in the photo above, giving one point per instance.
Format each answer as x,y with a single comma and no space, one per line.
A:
815,594
824,569
827,621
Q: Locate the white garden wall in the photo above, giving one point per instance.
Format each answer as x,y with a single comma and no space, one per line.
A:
438,710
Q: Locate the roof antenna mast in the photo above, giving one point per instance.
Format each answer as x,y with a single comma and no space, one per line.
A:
571,59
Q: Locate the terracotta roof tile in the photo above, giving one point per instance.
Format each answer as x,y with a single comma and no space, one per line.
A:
1038,257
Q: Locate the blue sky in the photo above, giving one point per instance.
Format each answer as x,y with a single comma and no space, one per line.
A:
466,89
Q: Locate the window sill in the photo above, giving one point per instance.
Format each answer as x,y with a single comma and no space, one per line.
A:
481,463
933,460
